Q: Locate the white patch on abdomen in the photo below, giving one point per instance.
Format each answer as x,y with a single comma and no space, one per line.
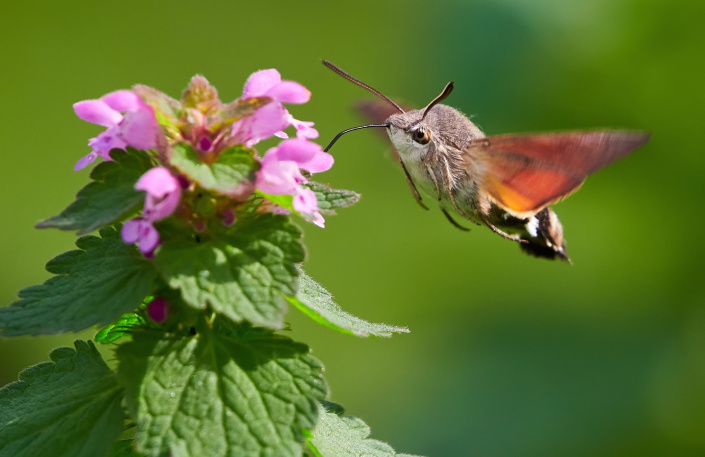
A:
533,226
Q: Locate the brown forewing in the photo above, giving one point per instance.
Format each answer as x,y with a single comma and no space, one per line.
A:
527,172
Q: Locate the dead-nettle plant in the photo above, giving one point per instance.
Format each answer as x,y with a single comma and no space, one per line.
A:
189,279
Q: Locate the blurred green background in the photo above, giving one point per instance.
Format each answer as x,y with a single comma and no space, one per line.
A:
508,355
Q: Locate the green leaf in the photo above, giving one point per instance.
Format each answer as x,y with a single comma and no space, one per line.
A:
122,327
70,407
94,285
337,435
108,198
220,395
285,201
328,198
123,448
234,166
317,303
241,275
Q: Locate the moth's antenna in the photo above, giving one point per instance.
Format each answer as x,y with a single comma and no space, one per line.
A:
446,92
350,130
361,84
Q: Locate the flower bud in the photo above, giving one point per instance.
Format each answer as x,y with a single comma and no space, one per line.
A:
159,309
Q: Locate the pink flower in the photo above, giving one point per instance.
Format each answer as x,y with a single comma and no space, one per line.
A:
136,128
264,123
272,118
163,196
278,177
163,193
305,202
307,155
142,232
304,129
268,83
280,174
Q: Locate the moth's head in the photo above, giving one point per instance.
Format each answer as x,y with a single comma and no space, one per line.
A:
410,129
419,128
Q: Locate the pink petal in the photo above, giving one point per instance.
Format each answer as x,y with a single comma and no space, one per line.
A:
149,240
305,130
157,182
277,178
123,100
305,201
85,161
163,193
319,163
97,112
156,209
139,128
289,92
318,220
299,151
260,82
131,230
266,121
141,231
106,142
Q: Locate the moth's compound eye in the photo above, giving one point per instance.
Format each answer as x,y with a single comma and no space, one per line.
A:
421,136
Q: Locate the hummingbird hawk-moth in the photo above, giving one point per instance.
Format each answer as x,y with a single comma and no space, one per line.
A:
505,182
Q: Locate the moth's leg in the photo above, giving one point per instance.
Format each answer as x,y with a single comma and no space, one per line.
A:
410,182
462,213
449,189
499,232
452,221
432,175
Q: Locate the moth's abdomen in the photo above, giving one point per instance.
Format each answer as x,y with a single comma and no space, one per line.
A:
541,234
545,236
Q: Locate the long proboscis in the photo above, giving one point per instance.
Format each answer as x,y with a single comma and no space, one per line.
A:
361,84
350,130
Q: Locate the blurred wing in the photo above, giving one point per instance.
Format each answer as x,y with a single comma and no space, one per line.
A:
528,172
376,111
